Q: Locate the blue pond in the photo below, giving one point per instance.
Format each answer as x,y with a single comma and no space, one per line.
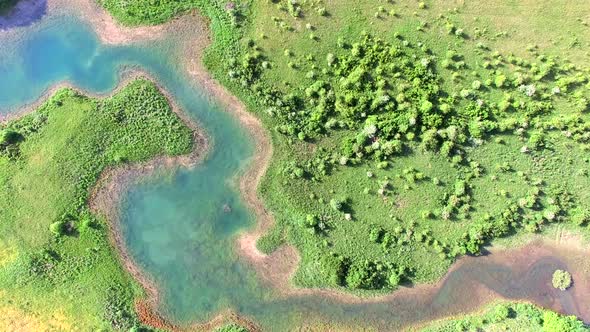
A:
175,226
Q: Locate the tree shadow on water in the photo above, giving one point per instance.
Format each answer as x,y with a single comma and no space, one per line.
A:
22,13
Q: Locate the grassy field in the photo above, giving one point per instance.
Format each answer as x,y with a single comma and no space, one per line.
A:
58,270
406,134
452,158
510,317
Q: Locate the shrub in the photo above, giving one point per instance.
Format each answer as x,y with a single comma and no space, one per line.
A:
8,137
561,279
232,328
500,313
330,58
500,80
337,204
58,227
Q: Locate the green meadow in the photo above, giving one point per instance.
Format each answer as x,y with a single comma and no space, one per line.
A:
58,268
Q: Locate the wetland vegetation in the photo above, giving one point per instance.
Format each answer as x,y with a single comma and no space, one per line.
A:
510,317
56,253
406,134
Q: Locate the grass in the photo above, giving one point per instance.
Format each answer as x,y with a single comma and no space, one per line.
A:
70,274
412,206
474,165
510,317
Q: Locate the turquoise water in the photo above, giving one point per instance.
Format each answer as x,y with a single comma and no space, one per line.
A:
175,226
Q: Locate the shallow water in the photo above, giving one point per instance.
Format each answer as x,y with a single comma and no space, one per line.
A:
177,230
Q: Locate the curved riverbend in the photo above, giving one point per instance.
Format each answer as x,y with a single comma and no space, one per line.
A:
181,226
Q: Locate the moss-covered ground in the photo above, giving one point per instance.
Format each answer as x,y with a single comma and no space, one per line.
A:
58,269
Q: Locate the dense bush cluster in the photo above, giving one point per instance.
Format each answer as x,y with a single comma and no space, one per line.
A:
384,96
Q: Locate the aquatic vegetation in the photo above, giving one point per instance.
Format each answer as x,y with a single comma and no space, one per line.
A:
49,161
561,279
6,4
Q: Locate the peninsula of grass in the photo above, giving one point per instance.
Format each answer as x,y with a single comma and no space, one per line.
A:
58,268
405,135
510,317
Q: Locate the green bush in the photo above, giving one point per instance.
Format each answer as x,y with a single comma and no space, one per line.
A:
561,279
232,328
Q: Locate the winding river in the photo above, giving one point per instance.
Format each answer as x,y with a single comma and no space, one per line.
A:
178,228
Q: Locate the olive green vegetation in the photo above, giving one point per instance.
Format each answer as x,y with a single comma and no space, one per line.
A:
561,279
511,317
232,328
405,134
56,257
